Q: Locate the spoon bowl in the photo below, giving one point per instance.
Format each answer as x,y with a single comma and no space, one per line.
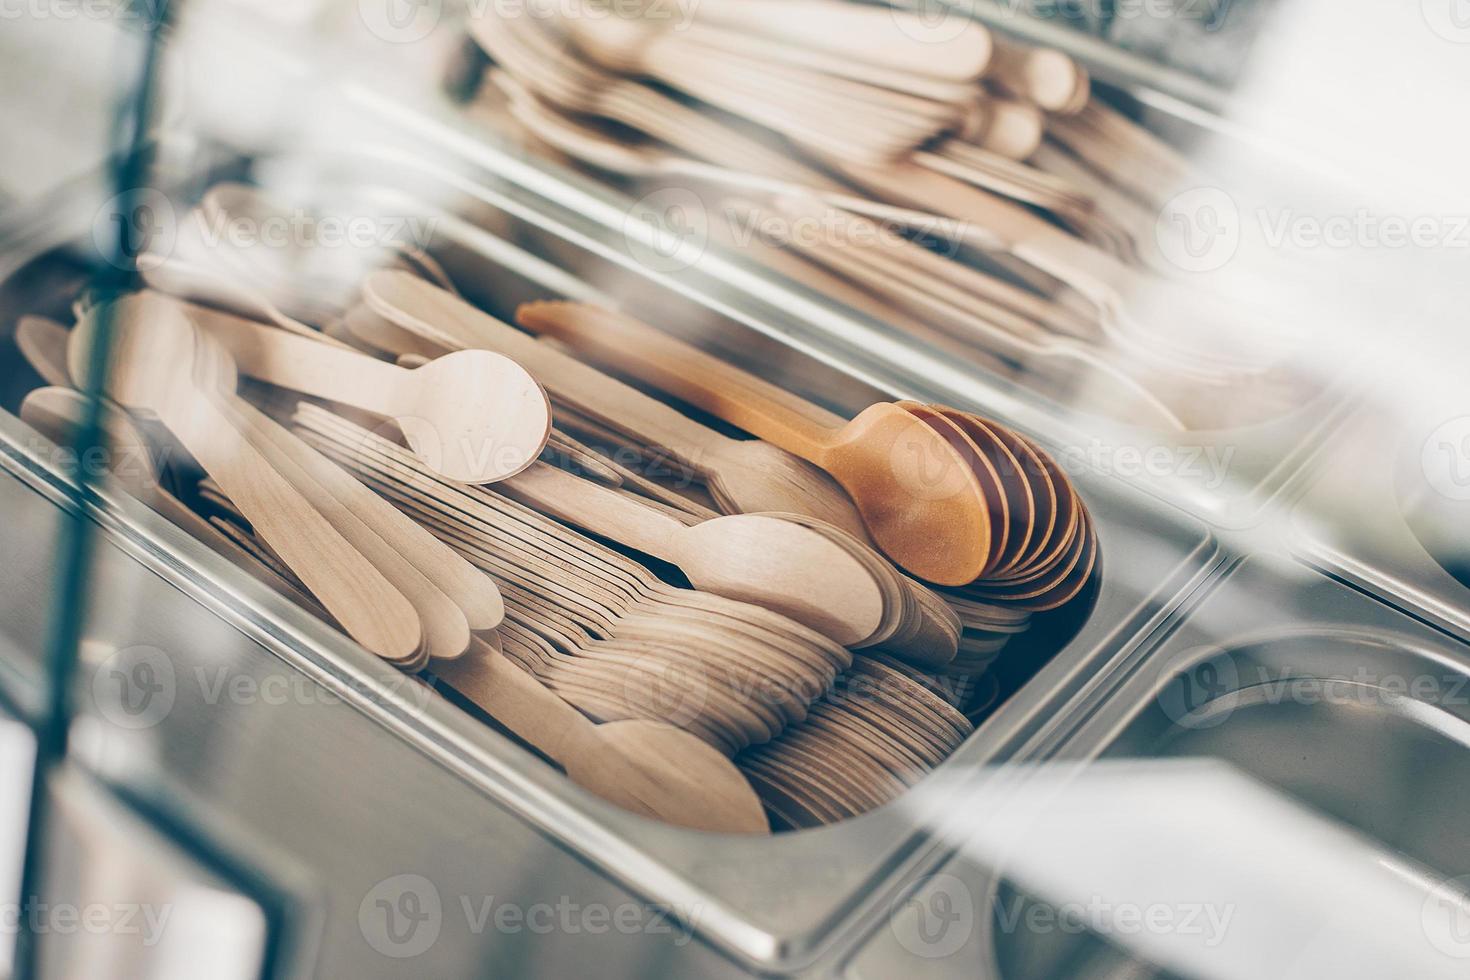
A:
752,477
475,415
920,500
785,567
664,772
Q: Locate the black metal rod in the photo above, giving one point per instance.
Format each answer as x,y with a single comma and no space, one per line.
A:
131,170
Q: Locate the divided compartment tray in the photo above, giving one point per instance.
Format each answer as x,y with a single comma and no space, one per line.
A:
1326,695
773,904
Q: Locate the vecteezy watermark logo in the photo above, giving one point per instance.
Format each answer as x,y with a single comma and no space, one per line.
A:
401,916
300,229
135,687
1450,19
1193,699
132,223
1199,230
404,916
1209,466
668,230
937,920
144,12
1105,917
225,685
1446,459
145,920
934,21
400,21
1446,917
657,687
1204,684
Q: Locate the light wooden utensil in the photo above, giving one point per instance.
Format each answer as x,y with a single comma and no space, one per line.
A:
177,277
56,413
335,496
647,767
602,630
726,158
920,501
544,69
476,416
151,340
472,592
883,38
1045,76
754,558
744,475
943,291
446,632
1195,343
925,635
1009,127
807,106
924,86
42,343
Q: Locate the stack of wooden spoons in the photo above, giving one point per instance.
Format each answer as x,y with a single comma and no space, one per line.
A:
951,498
591,623
402,479
1032,499
291,517
392,587
971,140
878,732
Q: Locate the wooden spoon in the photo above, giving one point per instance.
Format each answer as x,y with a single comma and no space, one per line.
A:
920,501
187,280
475,416
751,557
1045,76
886,38
746,476
42,343
155,348
647,767
57,413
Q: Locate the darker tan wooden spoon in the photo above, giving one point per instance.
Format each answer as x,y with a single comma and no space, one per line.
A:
919,498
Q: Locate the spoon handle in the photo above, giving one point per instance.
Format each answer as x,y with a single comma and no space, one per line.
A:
424,309
364,519
839,65
887,38
517,700
597,509
56,413
303,365
688,373
1092,272
357,595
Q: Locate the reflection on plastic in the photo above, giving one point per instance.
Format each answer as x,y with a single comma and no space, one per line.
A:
1291,893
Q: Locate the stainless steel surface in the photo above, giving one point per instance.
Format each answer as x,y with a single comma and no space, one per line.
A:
1332,698
143,905
1389,510
387,780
